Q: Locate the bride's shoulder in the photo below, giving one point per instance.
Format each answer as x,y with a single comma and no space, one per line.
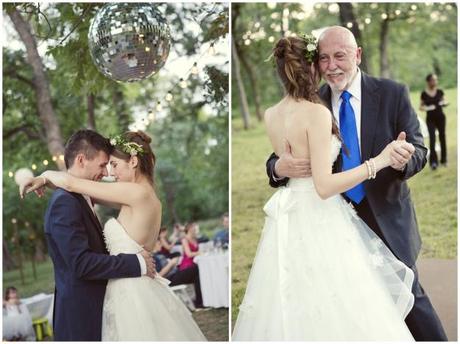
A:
312,111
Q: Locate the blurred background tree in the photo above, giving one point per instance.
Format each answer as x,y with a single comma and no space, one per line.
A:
51,88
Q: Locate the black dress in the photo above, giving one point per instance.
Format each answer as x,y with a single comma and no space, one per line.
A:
435,119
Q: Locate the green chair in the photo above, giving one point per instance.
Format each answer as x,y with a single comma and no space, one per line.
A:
42,327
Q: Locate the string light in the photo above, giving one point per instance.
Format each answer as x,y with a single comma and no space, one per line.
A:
34,167
10,174
194,69
159,107
54,158
14,221
169,97
45,162
212,50
182,83
151,115
61,157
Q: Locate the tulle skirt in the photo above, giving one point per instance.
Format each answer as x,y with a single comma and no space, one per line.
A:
145,309
320,273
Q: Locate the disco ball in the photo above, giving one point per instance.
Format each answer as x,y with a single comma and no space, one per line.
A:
129,41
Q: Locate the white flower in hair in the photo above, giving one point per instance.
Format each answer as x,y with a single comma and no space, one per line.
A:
113,142
311,47
133,152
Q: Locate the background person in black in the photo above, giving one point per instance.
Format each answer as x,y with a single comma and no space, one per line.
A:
432,101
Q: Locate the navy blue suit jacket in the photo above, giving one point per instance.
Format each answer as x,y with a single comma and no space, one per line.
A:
82,267
386,111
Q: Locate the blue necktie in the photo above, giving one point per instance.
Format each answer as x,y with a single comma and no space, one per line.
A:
350,138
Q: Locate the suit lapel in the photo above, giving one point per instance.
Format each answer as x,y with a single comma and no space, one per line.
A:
93,217
370,105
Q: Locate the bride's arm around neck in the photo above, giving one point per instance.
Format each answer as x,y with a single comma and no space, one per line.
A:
327,184
119,192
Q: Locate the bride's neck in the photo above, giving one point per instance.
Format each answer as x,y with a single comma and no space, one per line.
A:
139,178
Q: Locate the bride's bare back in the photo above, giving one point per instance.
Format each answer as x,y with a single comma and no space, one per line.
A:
287,121
142,221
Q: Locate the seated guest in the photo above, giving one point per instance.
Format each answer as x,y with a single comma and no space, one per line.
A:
222,233
178,234
17,322
166,246
167,268
190,248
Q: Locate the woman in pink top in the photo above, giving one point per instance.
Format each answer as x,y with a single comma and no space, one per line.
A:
189,246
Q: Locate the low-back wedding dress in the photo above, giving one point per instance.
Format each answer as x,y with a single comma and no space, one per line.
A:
320,273
142,309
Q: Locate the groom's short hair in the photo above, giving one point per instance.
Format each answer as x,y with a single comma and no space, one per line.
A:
87,142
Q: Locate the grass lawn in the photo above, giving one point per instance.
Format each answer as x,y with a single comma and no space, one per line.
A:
434,195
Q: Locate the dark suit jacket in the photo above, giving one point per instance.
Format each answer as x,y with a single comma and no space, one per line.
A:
81,267
385,112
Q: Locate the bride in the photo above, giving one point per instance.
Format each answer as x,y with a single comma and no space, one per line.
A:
319,272
135,309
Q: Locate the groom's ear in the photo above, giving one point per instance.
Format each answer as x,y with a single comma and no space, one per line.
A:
79,160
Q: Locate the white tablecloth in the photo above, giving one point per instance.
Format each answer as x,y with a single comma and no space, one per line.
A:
214,274
40,305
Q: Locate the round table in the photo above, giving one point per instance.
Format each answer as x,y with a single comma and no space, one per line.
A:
214,278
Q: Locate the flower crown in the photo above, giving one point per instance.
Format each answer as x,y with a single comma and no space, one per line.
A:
131,148
312,46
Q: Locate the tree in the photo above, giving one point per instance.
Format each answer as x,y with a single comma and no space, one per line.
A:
41,86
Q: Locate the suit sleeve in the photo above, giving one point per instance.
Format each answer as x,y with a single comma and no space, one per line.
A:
270,165
70,236
407,121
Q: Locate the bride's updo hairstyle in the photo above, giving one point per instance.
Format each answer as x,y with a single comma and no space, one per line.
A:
146,158
300,75
299,79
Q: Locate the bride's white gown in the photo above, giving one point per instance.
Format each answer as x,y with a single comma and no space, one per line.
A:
142,309
321,274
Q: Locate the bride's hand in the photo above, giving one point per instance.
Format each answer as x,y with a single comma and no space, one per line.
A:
385,158
35,184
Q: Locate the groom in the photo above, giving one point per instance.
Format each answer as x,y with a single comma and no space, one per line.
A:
381,110
75,241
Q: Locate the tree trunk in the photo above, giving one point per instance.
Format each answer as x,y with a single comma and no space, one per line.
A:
348,16
8,261
384,66
383,44
39,253
90,99
242,98
41,86
120,108
252,80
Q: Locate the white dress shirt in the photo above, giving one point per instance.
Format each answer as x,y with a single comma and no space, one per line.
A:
142,263
355,90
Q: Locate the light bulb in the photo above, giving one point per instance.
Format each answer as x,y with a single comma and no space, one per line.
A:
195,69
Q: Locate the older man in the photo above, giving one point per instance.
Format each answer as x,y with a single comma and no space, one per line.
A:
380,112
